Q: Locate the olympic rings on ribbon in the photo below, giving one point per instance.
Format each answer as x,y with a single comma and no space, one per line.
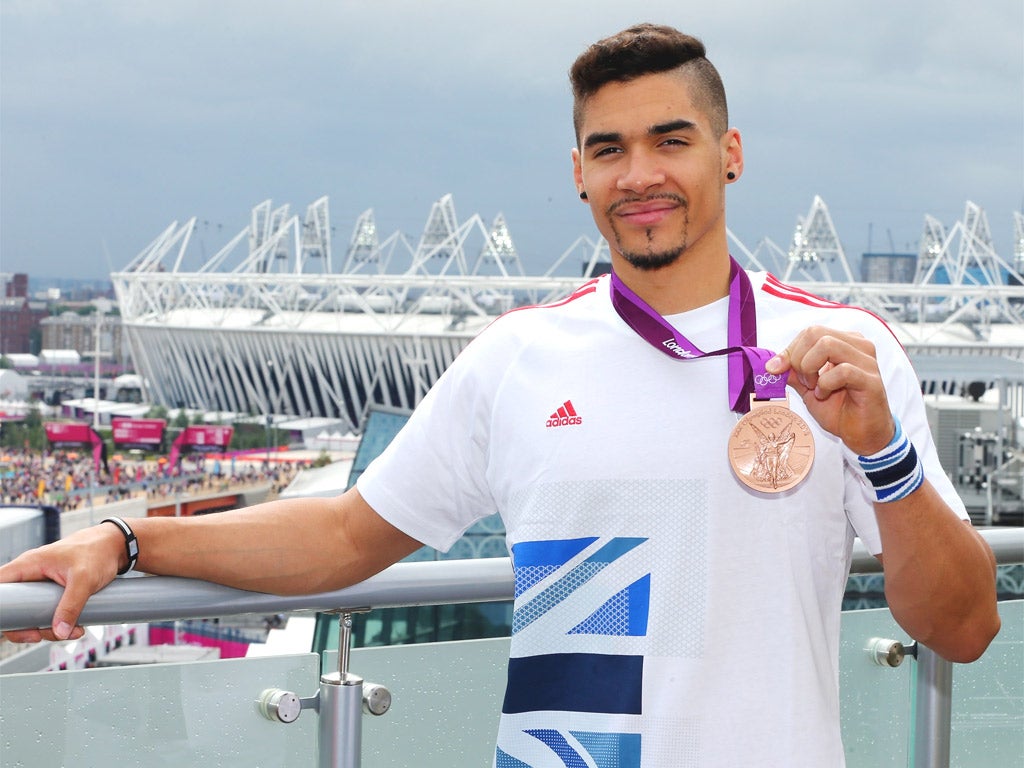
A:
766,379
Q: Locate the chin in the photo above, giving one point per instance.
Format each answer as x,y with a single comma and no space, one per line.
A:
651,262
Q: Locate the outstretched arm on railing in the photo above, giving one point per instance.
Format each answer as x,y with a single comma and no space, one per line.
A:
293,546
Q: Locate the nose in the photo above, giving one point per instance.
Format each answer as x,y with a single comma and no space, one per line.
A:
641,173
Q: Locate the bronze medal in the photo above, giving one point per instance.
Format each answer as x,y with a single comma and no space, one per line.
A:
771,448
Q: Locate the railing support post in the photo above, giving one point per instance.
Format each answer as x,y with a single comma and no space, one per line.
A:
933,706
341,708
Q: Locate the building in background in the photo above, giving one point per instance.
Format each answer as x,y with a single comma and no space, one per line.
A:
20,316
888,267
70,330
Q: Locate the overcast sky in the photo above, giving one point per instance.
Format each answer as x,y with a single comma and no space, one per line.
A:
117,118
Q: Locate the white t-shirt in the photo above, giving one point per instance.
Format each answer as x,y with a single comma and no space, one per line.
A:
665,614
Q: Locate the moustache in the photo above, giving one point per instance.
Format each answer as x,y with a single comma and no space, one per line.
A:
678,199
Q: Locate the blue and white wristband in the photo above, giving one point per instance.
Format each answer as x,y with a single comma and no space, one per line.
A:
894,472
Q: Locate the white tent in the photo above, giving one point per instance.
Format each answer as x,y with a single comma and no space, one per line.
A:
12,385
22,360
322,482
60,357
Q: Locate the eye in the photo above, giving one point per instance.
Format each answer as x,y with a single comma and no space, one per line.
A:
605,151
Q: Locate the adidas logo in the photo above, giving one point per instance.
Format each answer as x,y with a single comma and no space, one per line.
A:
565,416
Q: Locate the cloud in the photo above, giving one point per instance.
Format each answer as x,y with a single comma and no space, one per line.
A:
118,117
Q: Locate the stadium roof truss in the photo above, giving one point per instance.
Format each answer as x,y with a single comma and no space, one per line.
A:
816,248
265,325
268,325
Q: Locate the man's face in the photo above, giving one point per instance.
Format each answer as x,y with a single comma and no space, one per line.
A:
653,170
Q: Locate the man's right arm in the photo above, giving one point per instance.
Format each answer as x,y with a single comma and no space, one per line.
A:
294,546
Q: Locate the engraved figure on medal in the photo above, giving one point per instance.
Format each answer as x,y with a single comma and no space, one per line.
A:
771,449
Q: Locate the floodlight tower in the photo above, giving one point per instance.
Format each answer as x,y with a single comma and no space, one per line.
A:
933,243
815,246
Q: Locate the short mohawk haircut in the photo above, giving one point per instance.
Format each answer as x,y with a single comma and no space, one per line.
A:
647,49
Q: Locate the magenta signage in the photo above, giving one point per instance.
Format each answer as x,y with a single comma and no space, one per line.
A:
203,439
67,434
141,432
62,433
215,437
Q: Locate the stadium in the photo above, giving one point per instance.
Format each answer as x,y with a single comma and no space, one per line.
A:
276,323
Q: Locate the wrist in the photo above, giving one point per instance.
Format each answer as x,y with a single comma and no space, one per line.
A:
129,551
895,471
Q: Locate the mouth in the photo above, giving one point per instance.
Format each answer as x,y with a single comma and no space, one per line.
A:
646,211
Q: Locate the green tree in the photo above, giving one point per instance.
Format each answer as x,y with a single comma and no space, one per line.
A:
27,432
34,419
157,412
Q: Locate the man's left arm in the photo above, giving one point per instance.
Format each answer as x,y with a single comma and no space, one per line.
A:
939,573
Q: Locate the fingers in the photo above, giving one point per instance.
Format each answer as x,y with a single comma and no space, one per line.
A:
824,361
82,563
32,566
24,635
35,635
65,617
836,374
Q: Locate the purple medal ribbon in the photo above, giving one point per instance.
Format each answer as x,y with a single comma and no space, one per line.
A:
746,360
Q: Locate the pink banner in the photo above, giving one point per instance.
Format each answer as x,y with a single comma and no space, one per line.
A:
141,432
204,439
62,433
68,434
207,438
229,649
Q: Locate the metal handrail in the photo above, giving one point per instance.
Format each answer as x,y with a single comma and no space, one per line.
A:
142,599
135,599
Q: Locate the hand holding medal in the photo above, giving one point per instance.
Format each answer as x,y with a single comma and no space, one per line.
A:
836,375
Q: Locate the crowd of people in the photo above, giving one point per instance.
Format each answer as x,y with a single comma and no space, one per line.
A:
68,480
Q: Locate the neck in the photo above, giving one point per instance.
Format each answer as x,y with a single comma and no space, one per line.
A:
687,284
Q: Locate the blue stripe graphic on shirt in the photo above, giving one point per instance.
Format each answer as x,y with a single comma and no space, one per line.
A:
503,759
561,589
607,750
536,560
560,746
624,615
611,750
575,682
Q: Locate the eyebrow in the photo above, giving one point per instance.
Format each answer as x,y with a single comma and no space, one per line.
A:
655,130
672,126
601,138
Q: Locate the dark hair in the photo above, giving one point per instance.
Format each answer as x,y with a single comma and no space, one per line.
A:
647,49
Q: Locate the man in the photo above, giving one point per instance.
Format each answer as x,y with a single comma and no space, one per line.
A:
677,597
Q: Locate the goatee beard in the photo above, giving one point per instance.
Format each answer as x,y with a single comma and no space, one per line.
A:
649,262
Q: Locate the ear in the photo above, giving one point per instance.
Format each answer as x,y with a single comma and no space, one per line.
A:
577,170
732,154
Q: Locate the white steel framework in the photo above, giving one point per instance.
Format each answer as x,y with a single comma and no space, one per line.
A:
268,325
